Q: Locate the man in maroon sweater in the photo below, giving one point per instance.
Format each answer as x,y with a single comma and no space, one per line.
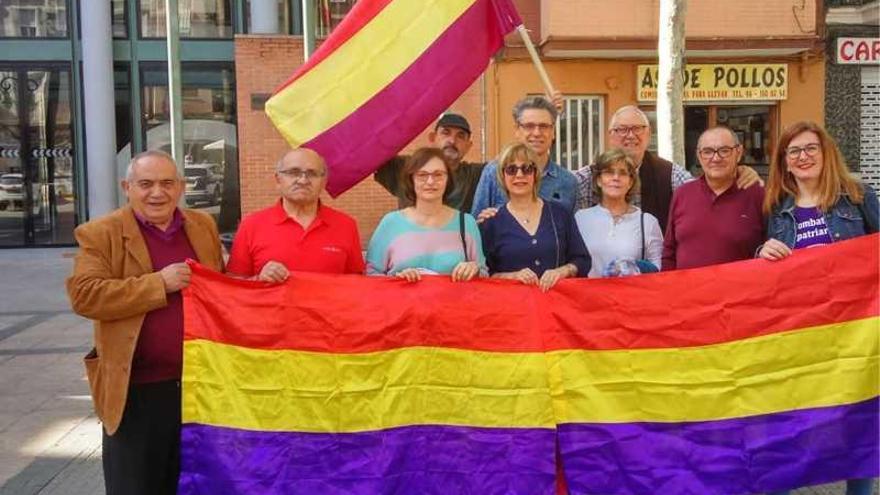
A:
712,221
127,277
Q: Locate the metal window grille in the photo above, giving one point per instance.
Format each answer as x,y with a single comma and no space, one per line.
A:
579,132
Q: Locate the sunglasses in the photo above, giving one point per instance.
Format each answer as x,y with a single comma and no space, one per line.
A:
527,169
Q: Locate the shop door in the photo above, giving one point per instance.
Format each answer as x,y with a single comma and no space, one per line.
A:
37,193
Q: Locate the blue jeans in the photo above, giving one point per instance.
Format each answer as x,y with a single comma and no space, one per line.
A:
853,487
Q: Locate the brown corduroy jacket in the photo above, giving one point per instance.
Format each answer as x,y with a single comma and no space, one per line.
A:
113,283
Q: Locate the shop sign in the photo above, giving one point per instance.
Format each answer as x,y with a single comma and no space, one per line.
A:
862,51
717,82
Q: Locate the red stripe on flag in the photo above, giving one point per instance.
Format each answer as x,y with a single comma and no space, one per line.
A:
363,12
349,314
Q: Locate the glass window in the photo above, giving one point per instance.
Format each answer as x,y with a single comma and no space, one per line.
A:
198,18
579,132
751,123
253,9
33,19
209,135
122,90
118,13
37,193
330,14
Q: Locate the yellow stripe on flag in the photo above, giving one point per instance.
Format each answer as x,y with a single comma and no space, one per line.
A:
822,366
359,69
253,389
320,392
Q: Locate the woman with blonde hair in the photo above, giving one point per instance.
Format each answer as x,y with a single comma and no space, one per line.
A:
811,198
529,239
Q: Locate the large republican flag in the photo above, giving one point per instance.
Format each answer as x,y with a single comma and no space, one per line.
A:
384,74
741,378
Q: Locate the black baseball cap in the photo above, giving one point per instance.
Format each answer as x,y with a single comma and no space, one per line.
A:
450,119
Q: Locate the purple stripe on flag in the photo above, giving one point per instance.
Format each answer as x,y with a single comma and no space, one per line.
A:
746,455
382,126
412,459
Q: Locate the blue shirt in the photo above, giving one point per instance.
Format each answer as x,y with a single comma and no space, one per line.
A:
557,184
509,248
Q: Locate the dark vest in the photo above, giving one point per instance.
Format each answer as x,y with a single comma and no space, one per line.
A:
655,175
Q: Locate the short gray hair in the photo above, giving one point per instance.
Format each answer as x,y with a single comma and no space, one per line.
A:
534,103
629,108
129,171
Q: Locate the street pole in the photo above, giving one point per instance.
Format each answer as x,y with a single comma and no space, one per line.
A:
175,110
309,28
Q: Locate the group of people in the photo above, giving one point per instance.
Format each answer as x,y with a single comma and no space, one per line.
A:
521,217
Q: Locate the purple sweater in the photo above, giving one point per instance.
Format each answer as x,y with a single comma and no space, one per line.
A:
705,229
159,352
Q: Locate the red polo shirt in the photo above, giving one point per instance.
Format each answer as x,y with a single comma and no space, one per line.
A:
331,243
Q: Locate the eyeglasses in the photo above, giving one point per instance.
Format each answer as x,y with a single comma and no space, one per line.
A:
422,177
794,152
298,173
532,126
527,169
627,129
615,172
723,152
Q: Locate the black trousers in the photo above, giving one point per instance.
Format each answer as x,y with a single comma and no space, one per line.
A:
143,456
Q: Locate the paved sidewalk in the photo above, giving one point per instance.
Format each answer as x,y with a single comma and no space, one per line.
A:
50,442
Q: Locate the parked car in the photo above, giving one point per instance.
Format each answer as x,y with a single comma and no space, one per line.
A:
11,192
204,184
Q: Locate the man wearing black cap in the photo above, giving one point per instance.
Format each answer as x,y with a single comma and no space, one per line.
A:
452,134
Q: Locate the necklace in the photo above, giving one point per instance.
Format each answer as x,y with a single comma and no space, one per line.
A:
520,217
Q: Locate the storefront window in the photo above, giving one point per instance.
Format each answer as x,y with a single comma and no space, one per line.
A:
209,135
37,193
330,14
753,124
198,18
33,19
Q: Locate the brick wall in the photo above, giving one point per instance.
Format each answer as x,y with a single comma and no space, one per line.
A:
262,63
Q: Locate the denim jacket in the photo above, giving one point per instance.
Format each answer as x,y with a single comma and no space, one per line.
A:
844,219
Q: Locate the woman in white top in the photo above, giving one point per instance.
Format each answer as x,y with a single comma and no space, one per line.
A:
618,234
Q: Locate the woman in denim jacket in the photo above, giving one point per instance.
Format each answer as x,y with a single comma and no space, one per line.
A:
812,200
811,197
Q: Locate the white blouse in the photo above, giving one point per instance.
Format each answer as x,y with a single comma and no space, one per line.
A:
608,240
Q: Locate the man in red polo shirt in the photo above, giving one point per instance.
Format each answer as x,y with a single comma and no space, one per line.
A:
298,233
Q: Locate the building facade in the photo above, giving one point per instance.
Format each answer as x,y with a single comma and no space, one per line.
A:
852,66
755,65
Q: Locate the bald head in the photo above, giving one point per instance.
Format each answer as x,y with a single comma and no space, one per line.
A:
301,176
153,157
301,155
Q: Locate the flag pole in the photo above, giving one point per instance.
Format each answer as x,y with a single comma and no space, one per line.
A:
539,66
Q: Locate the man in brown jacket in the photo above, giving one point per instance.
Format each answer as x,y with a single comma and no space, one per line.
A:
127,277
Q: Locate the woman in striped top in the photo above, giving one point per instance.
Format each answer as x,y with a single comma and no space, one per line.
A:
428,237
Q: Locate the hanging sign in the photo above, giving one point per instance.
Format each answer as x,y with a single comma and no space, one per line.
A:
860,51
717,82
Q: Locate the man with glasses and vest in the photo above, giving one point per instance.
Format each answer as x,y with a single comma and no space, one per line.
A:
297,233
534,118
711,220
630,131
